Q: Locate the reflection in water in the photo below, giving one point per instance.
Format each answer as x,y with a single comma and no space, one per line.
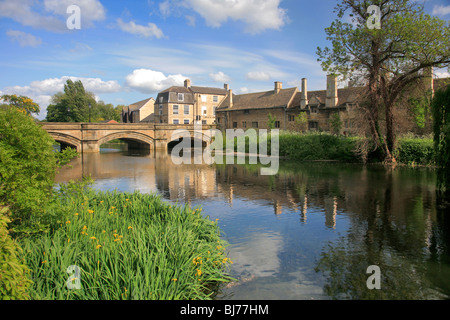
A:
309,232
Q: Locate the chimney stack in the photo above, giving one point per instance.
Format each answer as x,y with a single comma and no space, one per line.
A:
230,98
226,86
187,83
304,94
278,86
332,92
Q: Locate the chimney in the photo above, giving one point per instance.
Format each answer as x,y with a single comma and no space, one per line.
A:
226,86
230,98
332,95
428,79
278,86
304,94
187,83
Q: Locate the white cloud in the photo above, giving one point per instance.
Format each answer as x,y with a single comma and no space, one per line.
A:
151,30
219,77
23,38
149,81
258,76
258,15
441,10
50,15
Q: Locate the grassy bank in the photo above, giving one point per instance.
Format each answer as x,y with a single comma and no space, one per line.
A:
126,246
317,146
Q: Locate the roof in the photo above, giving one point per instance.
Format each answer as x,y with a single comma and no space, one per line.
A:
139,105
345,95
260,100
208,90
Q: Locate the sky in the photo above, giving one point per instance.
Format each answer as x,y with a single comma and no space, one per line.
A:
128,51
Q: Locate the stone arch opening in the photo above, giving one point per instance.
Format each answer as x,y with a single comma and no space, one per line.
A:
66,141
134,140
197,140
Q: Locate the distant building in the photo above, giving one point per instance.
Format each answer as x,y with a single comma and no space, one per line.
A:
142,111
188,104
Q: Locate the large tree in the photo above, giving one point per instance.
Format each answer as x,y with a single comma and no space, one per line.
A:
389,44
74,105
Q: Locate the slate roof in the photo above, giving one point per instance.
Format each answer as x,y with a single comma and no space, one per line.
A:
260,100
138,105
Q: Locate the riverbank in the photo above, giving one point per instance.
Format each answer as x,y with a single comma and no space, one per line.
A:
125,246
320,146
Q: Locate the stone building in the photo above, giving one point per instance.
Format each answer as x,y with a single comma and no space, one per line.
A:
142,111
189,104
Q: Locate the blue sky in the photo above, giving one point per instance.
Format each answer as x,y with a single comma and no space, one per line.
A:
127,51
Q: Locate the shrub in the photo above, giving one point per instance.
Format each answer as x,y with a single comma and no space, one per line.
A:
27,170
14,282
415,151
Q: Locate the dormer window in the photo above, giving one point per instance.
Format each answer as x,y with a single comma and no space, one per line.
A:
180,97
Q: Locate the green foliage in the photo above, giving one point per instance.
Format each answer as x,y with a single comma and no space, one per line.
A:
416,151
301,121
76,104
421,109
14,274
27,170
72,105
271,121
127,246
441,130
318,146
335,123
21,103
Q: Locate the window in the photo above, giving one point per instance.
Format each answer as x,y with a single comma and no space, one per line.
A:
313,125
186,121
203,98
234,125
277,124
180,97
313,109
246,111
175,109
204,110
255,124
203,121
244,124
160,109
218,120
186,109
215,98
175,121
291,117
161,99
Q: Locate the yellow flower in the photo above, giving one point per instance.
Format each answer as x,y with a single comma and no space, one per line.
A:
93,238
130,227
98,246
76,213
199,272
67,222
45,261
84,228
68,240
113,207
174,279
101,201
91,211
104,231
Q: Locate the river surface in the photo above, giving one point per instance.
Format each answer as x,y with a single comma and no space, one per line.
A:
309,232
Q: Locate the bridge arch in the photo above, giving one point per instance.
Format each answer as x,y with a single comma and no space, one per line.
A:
194,135
137,137
66,140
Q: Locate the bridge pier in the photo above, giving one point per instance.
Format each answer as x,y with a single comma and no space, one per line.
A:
90,146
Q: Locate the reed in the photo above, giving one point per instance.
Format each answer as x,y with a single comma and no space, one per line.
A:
127,246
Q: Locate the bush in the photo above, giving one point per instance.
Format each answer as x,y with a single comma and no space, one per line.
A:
318,146
14,282
27,171
415,151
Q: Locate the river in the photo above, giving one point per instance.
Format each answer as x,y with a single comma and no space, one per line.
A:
311,231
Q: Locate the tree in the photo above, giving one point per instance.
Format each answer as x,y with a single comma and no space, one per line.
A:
74,105
301,121
441,128
271,121
390,56
21,103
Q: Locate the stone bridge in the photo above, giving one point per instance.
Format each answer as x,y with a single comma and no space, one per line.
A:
88,137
